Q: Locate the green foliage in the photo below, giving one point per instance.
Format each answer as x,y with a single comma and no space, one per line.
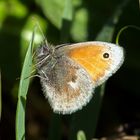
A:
53,9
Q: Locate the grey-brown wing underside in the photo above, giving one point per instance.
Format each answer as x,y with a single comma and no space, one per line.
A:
67,86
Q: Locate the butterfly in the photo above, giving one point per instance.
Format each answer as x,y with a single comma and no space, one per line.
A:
70,73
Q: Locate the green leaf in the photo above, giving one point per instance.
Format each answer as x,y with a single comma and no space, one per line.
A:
53,10
23,88
81,135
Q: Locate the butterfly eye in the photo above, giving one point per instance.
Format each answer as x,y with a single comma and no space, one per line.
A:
106,55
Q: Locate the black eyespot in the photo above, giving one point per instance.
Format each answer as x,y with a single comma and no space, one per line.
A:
106,55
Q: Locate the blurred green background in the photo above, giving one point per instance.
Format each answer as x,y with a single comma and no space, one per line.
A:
116,112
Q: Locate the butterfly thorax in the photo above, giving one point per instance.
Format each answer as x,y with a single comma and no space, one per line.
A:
45,56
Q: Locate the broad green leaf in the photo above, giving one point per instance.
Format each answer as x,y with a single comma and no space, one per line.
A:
53,10
22,93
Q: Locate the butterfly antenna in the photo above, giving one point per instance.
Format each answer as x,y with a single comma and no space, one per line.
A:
39,27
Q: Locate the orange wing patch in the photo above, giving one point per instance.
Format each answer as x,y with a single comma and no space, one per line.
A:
90,57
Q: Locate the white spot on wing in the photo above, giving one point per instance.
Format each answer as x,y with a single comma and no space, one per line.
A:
74,85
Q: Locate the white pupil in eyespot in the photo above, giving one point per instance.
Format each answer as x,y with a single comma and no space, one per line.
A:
106,55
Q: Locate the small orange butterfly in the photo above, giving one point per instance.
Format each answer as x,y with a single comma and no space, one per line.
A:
70,73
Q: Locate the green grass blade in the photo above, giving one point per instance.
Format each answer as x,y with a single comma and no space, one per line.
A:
124,28
0,96
23,88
